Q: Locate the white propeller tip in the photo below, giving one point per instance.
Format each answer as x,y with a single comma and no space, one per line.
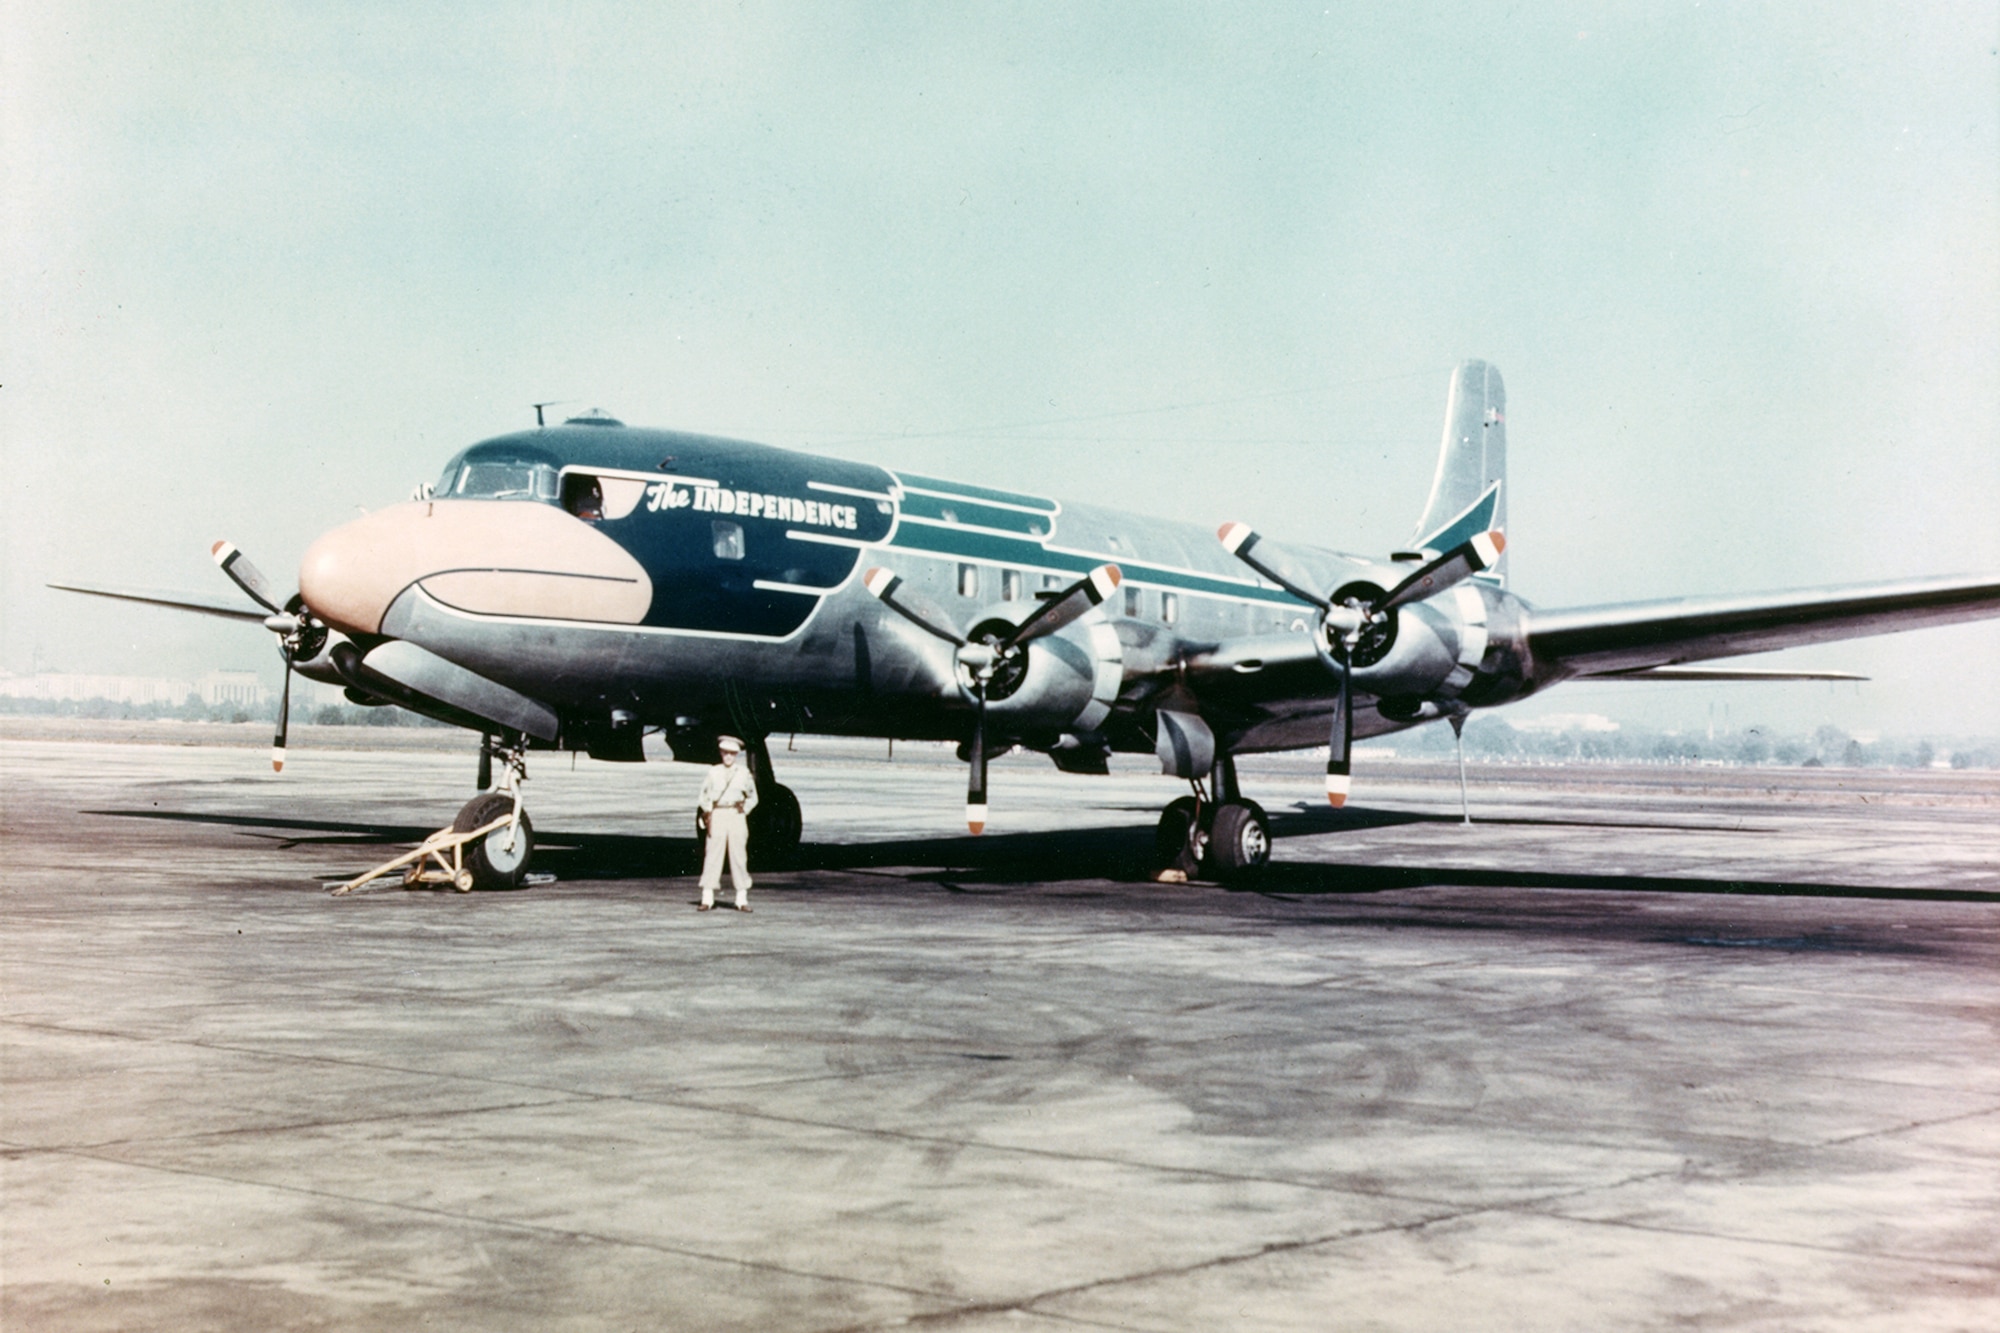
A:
975,819
1488,546
1336,789
221,552
1104,581
877,581
277,760
1234,535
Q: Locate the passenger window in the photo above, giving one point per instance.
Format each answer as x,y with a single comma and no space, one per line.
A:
1170,607
728,539
1010,585
1134,600
968,580
1051,581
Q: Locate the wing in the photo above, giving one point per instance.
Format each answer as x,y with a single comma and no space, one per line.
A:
1723,673
172,601
1638,637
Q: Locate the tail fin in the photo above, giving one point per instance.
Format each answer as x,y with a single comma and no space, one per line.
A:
1470,493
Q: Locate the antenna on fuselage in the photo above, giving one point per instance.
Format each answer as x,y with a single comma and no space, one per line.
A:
553,402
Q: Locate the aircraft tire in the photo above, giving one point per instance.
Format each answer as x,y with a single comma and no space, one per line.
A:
490,862
776,826
1177,843
1239,842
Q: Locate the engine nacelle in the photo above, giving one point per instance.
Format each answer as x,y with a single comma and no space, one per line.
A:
1066,681
1462,645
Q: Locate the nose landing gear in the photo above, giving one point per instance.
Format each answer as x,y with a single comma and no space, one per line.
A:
1214,834
499,859
487,846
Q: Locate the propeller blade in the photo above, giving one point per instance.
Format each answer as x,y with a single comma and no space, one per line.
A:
1093,589
1240,541
1340,740
885,587
1453,567
167,600
975,787
246,576
284,718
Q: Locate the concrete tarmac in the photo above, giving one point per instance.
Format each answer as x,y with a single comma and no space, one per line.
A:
1639,1049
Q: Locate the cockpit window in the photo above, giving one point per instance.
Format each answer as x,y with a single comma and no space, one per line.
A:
506,481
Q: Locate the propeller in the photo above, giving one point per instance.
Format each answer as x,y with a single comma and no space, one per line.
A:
300,633
1343,623
994,654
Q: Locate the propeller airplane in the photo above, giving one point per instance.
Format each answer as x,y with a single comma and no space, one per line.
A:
576,586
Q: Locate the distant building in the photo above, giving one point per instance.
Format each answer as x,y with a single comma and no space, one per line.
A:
240,688
237,689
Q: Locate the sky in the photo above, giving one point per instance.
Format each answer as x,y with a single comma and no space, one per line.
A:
267,265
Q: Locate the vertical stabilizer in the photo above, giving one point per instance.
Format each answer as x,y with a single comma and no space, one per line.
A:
1469,495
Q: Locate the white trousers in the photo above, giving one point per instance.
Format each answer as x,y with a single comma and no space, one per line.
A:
728,831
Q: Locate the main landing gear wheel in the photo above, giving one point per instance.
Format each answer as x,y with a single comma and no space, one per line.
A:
1239,842
776,826
1181,842
1230,842
500,859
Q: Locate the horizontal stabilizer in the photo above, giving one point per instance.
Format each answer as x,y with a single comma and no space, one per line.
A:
172,601
1639,636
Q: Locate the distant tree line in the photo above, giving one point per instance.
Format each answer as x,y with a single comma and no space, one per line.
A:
1492,737
192,709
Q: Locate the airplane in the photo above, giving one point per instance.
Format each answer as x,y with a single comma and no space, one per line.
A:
577,586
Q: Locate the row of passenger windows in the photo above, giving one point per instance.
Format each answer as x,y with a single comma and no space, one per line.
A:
1013,587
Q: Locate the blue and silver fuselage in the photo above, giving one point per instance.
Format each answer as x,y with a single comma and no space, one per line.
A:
684,580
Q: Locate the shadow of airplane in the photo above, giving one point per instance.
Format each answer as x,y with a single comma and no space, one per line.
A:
1118,853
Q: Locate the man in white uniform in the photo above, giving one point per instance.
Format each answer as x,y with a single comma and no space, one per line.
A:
727,798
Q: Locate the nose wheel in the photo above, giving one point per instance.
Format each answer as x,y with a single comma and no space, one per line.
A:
500,859
487,846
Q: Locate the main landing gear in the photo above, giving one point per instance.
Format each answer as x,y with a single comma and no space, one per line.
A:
1213,834
776,824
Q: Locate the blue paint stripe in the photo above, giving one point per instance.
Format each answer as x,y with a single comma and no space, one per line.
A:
1011,551
979,515
1477,519
1036,502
